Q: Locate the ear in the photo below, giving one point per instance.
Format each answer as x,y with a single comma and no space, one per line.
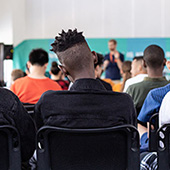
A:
168,64
95,57
45,65
144,63
29,64
165,61
63,69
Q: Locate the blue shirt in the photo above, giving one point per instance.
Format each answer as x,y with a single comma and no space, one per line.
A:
112,70
152,103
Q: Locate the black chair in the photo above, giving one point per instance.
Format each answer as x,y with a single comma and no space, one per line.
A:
30,109
10,156
163,149
153,127
88,149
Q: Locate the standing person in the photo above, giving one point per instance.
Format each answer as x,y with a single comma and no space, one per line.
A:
58,76
113,61
30,88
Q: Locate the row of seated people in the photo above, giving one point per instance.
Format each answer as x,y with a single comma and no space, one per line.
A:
89,103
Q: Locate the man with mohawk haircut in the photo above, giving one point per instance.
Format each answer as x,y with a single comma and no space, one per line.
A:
88,104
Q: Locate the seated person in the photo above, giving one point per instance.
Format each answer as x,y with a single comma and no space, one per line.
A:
13,113
125,73
30,88
16,74
88,103
154,62
98,71
58,76
149,160
138,72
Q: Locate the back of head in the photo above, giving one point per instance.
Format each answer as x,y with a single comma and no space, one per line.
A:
38,57
100,60
54,68
73,51
17,73
154,57
126,66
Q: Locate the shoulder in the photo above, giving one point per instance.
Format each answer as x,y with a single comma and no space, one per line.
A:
20,80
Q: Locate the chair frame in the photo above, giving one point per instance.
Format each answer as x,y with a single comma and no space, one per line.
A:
163,152
153,132
13,146
133,160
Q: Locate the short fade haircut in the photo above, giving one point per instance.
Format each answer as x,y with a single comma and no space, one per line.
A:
67,40
113,41
38,57
138,58
154,56
100,61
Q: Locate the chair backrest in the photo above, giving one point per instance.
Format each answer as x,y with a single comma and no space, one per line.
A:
163,149
10,156
88,149
30,109
153,122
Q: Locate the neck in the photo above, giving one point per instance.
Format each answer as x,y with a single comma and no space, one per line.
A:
84,75
55,77
155,73
112,52
37,72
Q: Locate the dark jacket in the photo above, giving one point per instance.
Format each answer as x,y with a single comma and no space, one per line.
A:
88,104
13,113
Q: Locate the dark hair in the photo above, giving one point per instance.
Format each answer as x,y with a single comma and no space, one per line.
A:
154,56
67,40
38,57
54,68
113,41
138,58
100,60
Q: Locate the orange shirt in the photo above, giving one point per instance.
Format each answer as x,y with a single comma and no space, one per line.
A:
29,90
117,87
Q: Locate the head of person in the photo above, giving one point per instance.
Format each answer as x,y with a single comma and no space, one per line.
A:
154,59
38,60
125,70
55,71
77,60
16,74
98,66
137,66
112,44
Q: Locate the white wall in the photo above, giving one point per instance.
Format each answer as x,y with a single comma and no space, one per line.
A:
97,18
6,33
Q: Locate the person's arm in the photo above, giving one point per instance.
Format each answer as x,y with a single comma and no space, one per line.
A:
105,64
119,61
141,129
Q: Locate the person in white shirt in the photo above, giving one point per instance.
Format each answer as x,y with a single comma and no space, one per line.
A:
164,112
138,72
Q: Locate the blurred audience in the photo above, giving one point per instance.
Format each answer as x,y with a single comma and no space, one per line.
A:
138,72
30,88
58,76
88,103
113,61
16,74
99,70
126,74
154,62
